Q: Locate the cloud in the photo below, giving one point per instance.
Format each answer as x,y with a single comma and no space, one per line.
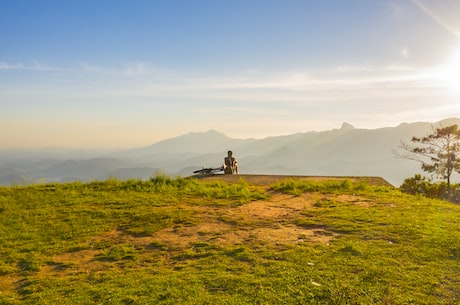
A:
35,66
137,69
235,109
86,67
404,53
130,70
142,80
38,66
345,82
354,68
8,66
246,103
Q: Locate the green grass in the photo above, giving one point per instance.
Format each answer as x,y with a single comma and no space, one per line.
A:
95,243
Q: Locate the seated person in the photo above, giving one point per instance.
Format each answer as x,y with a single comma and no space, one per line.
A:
230,164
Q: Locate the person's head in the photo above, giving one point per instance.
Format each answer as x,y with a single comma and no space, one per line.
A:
229,153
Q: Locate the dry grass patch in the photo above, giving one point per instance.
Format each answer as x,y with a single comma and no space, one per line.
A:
267,221
263,221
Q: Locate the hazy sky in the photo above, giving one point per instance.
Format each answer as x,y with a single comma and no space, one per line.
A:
130,73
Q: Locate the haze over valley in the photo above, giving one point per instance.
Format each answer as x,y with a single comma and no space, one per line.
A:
344,151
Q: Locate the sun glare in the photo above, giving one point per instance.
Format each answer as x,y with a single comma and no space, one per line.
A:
449,73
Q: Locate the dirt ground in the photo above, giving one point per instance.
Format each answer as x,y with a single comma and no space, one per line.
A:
262,222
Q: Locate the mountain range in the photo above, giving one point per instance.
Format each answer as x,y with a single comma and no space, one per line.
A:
346,151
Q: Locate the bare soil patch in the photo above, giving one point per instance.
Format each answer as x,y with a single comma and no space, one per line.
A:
263,221
269,221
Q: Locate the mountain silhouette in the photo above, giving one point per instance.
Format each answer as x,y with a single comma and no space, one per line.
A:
346,151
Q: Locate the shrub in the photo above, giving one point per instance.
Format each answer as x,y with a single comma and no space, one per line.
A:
420,185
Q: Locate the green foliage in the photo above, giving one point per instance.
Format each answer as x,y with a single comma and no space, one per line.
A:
438,153
94,243
420,185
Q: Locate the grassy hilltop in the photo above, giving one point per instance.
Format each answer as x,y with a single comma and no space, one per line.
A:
188,241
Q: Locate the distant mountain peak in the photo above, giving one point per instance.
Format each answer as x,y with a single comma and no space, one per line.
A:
211,132
215,132
346,126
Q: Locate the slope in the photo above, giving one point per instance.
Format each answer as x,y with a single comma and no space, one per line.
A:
185,241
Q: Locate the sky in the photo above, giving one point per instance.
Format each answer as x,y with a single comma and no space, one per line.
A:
125,74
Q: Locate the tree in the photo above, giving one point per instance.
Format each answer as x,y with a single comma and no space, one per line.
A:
438,153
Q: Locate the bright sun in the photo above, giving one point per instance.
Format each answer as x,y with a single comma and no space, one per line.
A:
449,73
